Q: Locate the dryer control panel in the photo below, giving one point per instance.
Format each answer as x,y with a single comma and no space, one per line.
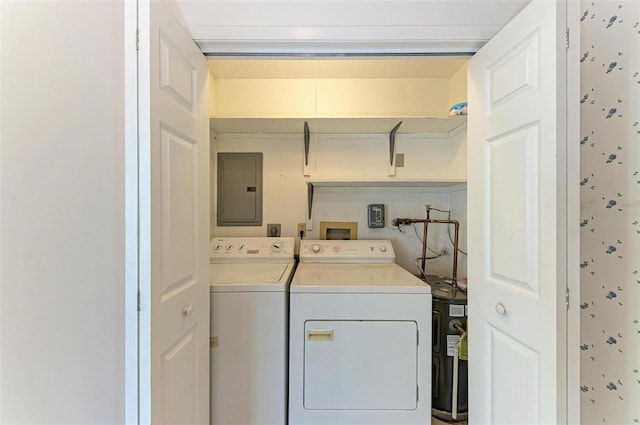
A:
235,250
348,251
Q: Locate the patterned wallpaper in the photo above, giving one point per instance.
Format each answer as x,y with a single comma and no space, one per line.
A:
610,212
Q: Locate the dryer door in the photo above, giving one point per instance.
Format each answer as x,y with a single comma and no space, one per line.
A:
360,365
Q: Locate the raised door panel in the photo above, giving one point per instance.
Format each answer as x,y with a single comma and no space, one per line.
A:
179,366
512,200
514,380
179,204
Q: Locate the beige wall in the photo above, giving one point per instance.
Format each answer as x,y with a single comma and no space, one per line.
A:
264,98
328,97
62,241
458,86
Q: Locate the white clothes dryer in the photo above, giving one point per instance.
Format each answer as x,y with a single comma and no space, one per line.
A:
249,281
359,337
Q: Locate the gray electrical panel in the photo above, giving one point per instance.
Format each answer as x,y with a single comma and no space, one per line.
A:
239,189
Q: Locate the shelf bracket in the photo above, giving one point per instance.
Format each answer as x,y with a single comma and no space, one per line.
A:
392,149
307,138
309,199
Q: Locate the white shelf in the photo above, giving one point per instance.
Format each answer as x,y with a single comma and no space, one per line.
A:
444,126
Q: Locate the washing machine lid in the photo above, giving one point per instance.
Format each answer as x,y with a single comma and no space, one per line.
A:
250,277
356,278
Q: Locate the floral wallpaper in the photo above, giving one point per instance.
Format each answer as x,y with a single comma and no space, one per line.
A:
610,212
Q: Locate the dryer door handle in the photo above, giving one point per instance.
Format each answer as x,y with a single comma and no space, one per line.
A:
320,335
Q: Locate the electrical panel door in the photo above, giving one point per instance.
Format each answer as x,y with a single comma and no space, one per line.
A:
239,189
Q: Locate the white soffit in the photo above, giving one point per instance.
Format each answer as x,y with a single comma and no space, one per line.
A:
344,27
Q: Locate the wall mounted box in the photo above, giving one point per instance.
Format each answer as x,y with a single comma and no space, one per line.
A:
375,216
338,230
239,189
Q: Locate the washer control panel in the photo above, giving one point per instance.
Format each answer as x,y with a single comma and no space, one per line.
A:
251,249
349,251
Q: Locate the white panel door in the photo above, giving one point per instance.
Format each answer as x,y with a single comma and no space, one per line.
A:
174,221
517,201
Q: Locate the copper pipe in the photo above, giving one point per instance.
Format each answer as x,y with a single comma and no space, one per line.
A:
424,244
425,222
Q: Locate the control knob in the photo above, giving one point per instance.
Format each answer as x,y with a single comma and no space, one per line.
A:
316,248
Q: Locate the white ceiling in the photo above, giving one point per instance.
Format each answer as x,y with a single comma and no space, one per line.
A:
335,68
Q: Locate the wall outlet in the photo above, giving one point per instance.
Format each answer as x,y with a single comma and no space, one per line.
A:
302,230
273,230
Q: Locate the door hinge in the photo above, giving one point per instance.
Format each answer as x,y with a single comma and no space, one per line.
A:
417,393
138,301
566,33
566,298
417,337
137,40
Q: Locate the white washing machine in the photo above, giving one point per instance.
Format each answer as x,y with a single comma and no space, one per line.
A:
359,337
249,281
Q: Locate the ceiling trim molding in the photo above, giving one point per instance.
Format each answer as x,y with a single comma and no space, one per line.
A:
306,48
341,41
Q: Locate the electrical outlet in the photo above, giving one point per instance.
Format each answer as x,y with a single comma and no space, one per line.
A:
302,230
273,230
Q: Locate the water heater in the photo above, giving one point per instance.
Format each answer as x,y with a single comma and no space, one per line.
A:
449,316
